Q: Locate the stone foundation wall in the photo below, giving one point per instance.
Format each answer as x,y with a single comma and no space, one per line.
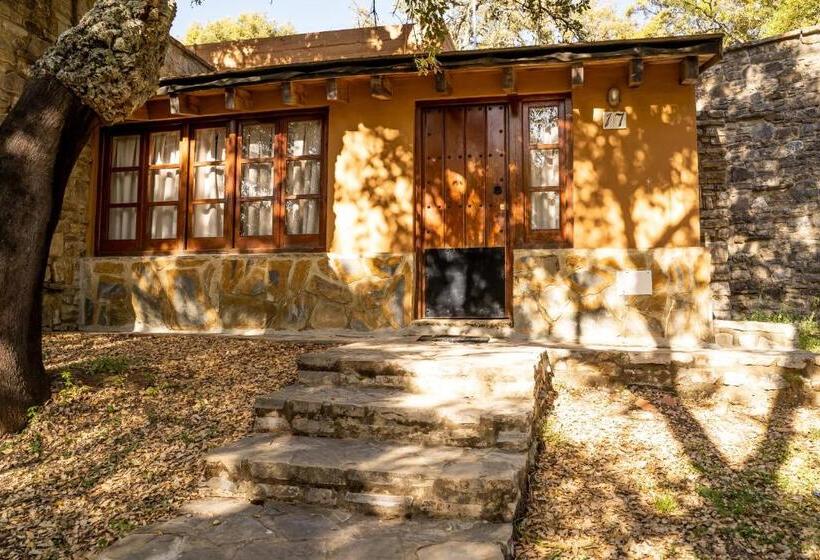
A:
759,153
572,295
247,293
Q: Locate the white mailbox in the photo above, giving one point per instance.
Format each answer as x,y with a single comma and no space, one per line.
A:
634,282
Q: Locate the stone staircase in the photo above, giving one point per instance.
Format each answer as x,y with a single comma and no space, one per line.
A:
396,428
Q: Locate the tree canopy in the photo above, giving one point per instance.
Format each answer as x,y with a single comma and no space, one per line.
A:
739,20
252,25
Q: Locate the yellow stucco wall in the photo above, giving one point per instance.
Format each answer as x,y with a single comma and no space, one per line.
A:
633,188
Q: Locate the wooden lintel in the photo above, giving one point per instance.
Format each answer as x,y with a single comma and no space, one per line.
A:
689,70
336,90
443,85
635,72
380,87
238,99
508,80
578,75
183,104
291,94
141,114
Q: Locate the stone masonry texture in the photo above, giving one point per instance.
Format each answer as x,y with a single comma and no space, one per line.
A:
759,148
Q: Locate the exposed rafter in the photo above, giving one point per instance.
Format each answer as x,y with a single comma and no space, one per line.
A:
635,72
380,87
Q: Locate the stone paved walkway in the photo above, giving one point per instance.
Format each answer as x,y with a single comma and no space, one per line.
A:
232,529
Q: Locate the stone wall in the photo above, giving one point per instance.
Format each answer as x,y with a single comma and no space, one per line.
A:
28,28
247,293
572,295
759,146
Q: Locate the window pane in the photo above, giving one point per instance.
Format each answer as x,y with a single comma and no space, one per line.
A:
257,141
210,144
124,187
546,210
165,147
257,179
210,181
544,125
303,177
302,217
544,168
256,218
163,222
304,138
165,185
126,151
208,220
122,223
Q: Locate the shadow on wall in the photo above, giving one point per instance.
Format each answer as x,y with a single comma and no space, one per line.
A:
627,197
373,193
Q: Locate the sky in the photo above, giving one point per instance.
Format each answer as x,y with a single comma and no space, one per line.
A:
304,15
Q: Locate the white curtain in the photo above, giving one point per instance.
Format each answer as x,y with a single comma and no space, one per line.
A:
165,148
304,177
256,218
122,223
257,179
210,144
124,187
304,138
257,141
163,222
210,181
544,168
208,220
546,207
302,217
166,185
126,151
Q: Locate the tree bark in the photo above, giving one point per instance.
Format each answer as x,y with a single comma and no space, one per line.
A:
40,140
98,71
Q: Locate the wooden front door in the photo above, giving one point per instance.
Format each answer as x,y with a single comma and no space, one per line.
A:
463,214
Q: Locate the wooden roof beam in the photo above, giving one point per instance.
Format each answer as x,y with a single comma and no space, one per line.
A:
442,81
689,71
336,90
578,75
635,72
380,87
238,99
291,94
183,105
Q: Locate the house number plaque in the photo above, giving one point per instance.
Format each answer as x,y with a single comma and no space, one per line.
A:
614,120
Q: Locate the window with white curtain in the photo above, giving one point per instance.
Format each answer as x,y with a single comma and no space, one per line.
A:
243,183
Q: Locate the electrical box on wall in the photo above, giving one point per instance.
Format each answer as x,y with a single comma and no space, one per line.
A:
634,282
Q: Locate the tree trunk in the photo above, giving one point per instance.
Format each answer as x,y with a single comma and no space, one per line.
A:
100,70
40,140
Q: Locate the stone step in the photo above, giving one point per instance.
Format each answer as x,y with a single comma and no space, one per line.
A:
390,414
230,528
488,385
387,479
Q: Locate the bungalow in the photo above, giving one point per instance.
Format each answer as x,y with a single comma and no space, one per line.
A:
332,186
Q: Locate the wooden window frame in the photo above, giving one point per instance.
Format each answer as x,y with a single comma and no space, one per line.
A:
562,236
298,241
169,244
226,241
232,241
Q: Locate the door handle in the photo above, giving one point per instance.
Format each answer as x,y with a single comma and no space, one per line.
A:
497,189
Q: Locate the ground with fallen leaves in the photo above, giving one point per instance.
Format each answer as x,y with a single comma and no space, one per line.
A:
643,474
122,441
